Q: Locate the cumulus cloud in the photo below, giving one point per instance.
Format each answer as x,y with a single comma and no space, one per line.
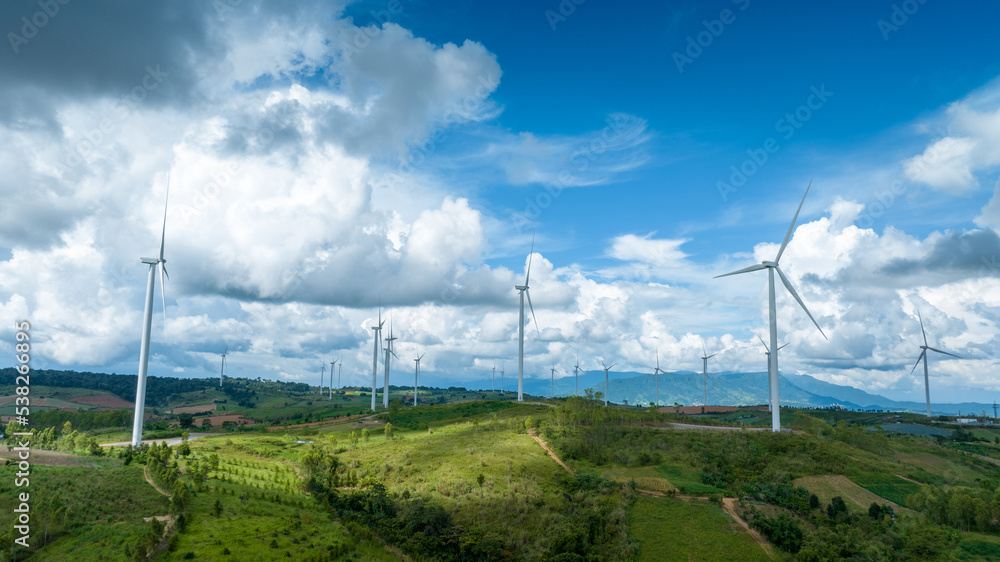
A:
971,145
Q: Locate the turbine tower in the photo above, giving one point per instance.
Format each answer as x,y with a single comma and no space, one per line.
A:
388,352
522,291
223,370
147,323
377,342
767,352
552,378
656,377
416,375
704,371
322,373
771,267
606,369
923,355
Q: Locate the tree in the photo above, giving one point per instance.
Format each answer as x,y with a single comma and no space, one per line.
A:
184,436
388,431
186,420
206,423
365,435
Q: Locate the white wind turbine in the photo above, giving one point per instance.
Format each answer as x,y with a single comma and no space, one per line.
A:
378,341
388,352
704,371
771,267
656,377
493,384
552,378
416,375
223,370
332,365
522,290
502,365
767,352
606,369
923,355
576,375
147,323
322,373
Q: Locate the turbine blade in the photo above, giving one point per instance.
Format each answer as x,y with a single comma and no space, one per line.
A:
744,270
712,355
782,345
791,290
163,233
791,227
922,327
528,294
944,352
163,296
528,272
921,356
762,342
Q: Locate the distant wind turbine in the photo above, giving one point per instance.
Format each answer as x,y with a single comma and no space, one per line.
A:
553,380
388,352
767,352
378,342
322,373
416,374
223,370
522,291
502,365
656,377
704,371
771,267
576,375
493,384
332,365
923,355
606,369
147,323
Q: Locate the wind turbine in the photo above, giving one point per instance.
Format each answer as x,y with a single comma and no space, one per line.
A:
416,374
332,365
378,341
322,373
553,380
656,377
771,267
223,370
576,375
340,371
923,355
147,323
388,352
522,291
704,371
606,369
493,384
767,352
502,365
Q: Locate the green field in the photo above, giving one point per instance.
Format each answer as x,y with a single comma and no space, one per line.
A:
888,486
672,529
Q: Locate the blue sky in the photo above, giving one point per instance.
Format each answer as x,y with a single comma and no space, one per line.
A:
310,178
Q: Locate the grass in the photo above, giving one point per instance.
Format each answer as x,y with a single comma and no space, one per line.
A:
104,509
829,486
672,529
888,486
686,480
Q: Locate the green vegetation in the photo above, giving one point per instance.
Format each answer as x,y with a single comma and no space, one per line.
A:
466,481
671,529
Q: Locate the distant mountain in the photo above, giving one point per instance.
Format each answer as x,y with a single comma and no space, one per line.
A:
732,389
